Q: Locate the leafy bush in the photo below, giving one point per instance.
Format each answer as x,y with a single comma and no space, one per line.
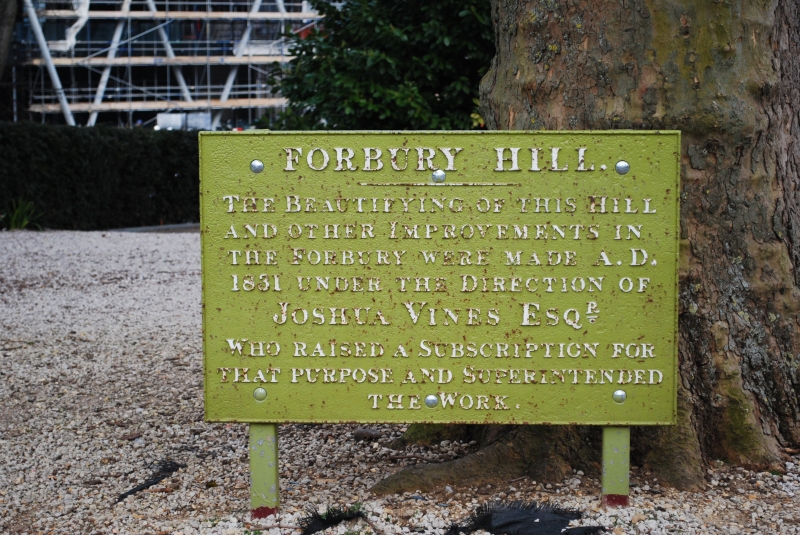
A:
388,65
100,178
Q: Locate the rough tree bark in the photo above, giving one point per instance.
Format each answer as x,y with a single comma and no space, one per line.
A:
727,74
8,16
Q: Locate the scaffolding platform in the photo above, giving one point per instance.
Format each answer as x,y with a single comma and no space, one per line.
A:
124,62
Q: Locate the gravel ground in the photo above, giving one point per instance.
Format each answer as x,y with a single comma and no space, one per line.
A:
101,377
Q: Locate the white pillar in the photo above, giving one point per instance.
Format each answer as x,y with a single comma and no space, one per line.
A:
112,52
237,52
151,5
48,60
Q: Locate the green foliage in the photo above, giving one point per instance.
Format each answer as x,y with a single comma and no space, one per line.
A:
100,178
21,214
355,508
337,512
477,118
388,65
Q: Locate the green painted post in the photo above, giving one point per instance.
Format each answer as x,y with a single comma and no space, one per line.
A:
616,466
264,472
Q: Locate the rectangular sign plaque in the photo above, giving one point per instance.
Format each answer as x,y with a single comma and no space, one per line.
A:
476,277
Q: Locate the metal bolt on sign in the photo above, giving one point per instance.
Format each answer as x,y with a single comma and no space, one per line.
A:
622,167
256,166
440,277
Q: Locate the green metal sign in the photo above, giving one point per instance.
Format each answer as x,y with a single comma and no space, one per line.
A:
482,277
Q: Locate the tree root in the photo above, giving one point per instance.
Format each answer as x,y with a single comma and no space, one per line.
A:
549,453
534,451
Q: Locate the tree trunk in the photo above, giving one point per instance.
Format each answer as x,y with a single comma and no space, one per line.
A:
8,17
725,73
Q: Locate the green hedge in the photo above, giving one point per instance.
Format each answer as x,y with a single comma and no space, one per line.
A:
100,178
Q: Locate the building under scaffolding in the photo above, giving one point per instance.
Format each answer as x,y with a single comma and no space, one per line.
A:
126,62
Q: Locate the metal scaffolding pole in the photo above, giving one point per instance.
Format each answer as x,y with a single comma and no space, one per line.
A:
151,5
112,52
238,52
37,30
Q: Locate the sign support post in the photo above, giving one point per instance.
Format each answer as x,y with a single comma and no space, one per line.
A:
264,472
616,466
